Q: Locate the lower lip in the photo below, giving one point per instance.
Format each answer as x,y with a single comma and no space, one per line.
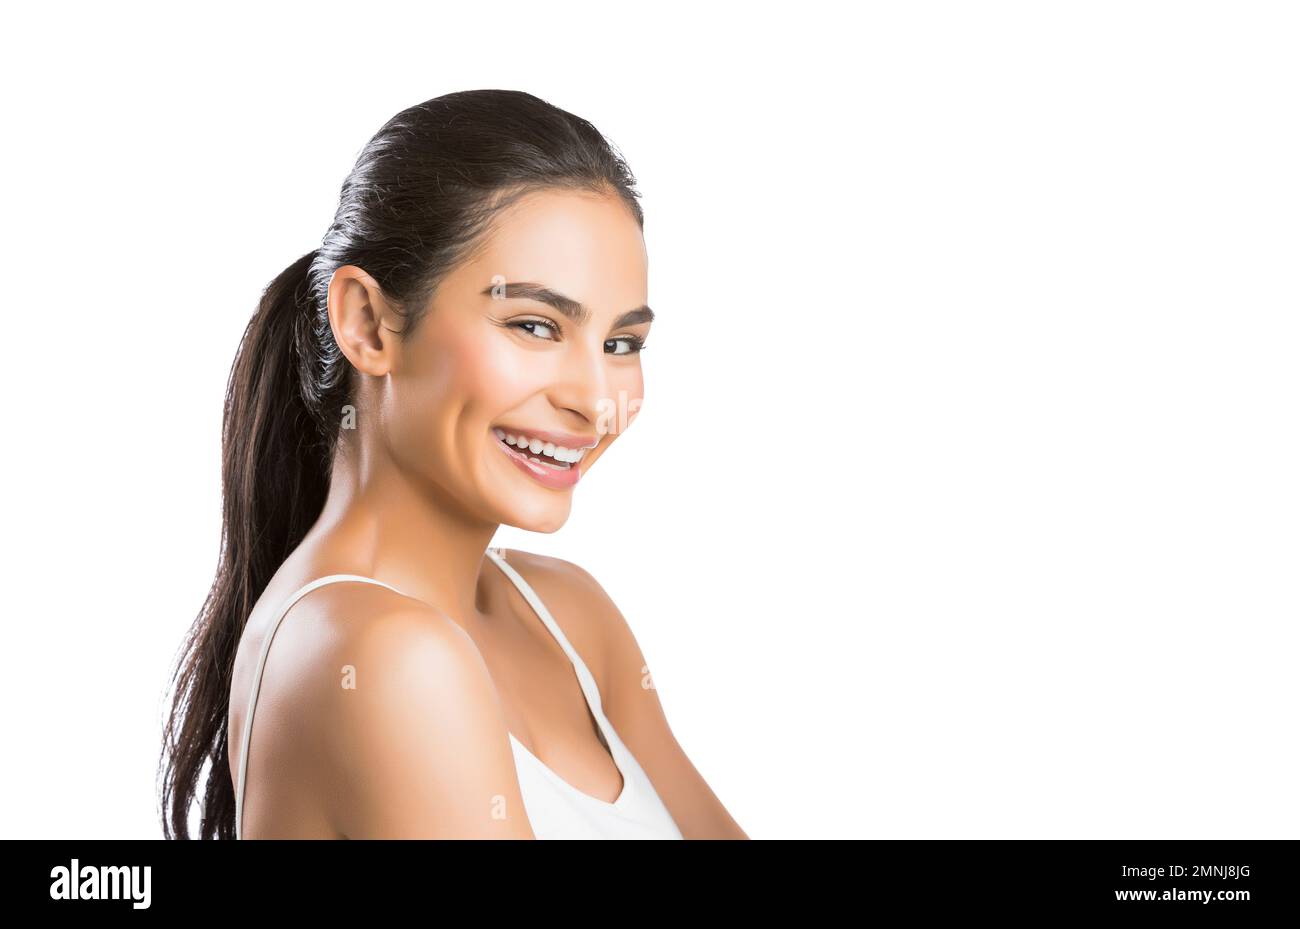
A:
547,477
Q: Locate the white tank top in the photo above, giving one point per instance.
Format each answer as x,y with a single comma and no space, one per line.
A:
555,808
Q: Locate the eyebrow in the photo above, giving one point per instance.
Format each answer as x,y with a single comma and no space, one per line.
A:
527,290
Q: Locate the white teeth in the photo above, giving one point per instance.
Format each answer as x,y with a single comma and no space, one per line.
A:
538,447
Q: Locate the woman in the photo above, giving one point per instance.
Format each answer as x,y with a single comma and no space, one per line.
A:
456,355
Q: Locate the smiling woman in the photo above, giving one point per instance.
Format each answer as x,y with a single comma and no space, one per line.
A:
476,305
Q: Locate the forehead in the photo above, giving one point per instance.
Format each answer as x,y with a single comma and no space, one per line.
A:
585,245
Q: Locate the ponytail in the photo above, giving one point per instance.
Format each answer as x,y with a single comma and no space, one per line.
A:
274,479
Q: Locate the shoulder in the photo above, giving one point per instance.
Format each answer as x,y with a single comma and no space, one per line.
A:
568,589
354,626
586,611
405,716
388,656
557,573
394,660
369,619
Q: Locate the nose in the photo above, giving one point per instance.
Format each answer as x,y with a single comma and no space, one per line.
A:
583,385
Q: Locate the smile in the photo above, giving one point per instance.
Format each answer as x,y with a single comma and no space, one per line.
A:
539,456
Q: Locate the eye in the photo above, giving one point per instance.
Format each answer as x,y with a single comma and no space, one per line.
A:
545,324
634,343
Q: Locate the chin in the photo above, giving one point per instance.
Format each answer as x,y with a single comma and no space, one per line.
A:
543,517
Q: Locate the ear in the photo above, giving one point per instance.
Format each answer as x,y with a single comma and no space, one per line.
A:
363,321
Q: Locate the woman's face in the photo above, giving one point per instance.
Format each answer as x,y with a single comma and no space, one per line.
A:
535,338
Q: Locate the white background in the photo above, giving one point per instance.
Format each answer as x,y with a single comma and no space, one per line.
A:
964,499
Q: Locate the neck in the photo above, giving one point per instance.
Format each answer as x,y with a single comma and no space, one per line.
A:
405,531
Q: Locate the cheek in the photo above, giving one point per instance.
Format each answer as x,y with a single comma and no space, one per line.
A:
617,410
635,381
436,383
468,379
447,360
631,388
487,378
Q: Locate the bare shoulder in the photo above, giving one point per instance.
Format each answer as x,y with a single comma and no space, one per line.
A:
556,574
577,601
406,726
590,618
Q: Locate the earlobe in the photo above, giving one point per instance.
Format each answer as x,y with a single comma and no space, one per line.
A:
358,315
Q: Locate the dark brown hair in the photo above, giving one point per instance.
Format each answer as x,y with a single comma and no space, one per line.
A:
416,203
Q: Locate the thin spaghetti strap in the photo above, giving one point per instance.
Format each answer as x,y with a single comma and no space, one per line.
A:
247,738
585,678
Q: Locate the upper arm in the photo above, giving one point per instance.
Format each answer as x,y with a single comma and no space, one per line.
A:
631,701
416,738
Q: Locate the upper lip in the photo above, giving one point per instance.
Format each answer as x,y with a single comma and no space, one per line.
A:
559,439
